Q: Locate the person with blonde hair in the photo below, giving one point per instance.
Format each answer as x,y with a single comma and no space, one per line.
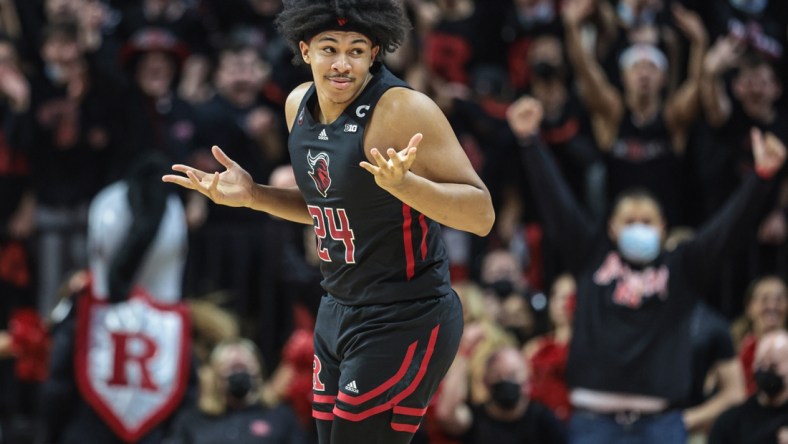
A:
483,336
234,404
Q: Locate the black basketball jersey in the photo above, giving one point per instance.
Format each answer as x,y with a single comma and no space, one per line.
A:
373,248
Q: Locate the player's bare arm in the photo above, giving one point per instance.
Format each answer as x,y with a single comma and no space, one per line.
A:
414,155
234,186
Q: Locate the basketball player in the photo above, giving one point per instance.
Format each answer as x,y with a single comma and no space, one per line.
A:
378,170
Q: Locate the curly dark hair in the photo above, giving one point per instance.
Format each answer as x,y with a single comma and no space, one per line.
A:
383,21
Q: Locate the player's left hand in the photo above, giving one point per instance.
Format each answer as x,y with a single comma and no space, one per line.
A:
390,173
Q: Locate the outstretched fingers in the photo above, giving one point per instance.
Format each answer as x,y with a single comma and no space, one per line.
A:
193,178
415,140
178,180
184,181
195,182
397,160
213,187
222,158
377,156
185,168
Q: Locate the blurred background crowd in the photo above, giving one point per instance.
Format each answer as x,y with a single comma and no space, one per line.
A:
89,87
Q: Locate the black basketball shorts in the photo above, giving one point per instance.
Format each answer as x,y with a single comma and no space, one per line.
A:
377,358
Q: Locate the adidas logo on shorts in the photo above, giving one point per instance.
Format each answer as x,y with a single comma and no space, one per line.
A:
351,387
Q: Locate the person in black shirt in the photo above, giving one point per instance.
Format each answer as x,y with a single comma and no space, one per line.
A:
508,416
642,135
763,418
232,405
390,324
629,360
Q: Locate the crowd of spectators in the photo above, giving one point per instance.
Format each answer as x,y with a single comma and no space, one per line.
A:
655,94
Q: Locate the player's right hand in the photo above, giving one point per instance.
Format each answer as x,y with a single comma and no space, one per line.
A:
232,187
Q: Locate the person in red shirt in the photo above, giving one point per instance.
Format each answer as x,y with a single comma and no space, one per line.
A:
766,310
546,355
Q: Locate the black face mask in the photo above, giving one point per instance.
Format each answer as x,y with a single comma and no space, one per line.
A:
502,287
239,384
506,394
545,71
769,383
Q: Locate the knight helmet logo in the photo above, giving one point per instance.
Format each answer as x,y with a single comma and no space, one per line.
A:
319,173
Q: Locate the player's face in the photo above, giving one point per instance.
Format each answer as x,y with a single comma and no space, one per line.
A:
340,63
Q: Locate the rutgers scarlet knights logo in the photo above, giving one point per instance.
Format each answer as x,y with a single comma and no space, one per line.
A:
319,173
132,360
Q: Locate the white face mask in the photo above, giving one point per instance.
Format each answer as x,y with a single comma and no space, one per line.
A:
639,243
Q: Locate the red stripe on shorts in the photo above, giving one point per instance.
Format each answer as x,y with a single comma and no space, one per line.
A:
409,428
323,399
399,397
325,416
356,400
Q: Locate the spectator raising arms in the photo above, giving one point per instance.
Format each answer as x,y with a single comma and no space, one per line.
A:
642,135
629,360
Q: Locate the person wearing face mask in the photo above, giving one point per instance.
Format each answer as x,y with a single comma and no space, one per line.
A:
509,416
234,406
763,417
506,294
765,310
629,360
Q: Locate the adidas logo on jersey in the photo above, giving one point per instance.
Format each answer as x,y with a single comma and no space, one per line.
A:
323,135
351,387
